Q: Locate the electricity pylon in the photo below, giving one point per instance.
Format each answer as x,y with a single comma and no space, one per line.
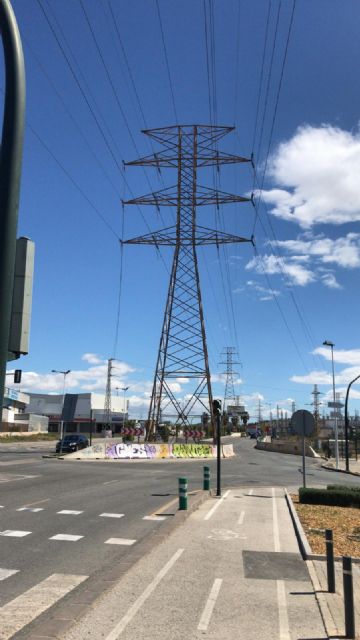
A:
229,394
107,405
183,350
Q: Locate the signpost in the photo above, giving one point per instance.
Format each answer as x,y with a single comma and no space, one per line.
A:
303,423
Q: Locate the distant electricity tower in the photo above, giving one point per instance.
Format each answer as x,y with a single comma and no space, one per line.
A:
183,351
229,395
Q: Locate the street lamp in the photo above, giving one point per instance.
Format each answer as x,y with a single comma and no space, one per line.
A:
64,373
327,343
124,389
347,424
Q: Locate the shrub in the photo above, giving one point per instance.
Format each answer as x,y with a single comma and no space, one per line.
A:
334,497
342,487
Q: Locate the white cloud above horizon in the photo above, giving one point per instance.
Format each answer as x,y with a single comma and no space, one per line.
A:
317,176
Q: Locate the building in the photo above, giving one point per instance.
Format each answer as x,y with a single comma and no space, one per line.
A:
81,412
15,416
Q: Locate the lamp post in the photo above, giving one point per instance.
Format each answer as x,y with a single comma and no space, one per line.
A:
327,343
64,373
124,389
347,424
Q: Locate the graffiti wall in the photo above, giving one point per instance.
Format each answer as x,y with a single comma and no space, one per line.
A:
192,450
121,450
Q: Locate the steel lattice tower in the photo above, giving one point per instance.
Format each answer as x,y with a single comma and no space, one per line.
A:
229,394
107,405
183,351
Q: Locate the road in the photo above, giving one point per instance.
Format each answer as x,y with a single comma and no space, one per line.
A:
77,518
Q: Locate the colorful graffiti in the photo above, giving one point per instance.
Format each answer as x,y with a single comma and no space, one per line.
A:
192,450
123,451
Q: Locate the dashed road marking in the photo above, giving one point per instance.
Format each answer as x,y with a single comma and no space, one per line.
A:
69,512
216,505
6,573
14,534
29,605
124,541
112,515
241,517
154,517
66,536
208,609
31,509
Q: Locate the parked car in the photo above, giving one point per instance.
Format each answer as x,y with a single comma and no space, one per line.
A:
72,442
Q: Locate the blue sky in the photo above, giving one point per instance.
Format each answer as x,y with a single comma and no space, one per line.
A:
86,106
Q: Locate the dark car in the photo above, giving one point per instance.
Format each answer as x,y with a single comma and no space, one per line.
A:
71,443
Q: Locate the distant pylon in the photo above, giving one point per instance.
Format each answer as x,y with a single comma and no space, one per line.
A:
316,404
229,394
183,350
107,405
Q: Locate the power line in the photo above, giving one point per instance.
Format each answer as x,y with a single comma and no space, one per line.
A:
167,62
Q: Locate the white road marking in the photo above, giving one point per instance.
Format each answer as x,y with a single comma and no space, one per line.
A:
31,504
66,536
241,517
275,522
68,512
208,609
117,631
14,534
125,541
284,631
112,515
32,509
6,573
112,481
29,605
154,518
213,509
251,492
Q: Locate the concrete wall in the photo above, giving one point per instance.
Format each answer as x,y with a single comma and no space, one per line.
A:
287,447
148,451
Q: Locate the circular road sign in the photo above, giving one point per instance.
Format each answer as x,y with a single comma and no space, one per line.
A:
302,422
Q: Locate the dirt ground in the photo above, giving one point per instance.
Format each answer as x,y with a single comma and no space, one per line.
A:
344,522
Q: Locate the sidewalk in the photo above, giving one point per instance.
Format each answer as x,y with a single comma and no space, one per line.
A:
332,604
231,570
354,465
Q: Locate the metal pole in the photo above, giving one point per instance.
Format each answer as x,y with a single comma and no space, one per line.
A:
10,173
183,496
303,450
347,424
348,598
330,560
335,410
218,465
206,484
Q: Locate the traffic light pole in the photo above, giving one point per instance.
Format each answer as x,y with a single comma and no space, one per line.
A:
218,462
10,173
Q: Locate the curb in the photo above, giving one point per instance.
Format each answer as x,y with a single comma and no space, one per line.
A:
349,473
78,602
303,543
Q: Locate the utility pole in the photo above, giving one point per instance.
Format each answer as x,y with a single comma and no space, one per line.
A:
183,349
10,173
316,404
107,406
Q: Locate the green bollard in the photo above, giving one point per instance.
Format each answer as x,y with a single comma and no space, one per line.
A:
206,485
183,505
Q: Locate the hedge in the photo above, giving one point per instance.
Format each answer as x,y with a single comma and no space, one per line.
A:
342,487
334,497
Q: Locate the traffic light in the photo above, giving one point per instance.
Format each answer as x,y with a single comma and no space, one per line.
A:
17,376
216,405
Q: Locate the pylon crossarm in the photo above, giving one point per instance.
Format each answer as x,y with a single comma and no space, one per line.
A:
169,198
169,159
204,236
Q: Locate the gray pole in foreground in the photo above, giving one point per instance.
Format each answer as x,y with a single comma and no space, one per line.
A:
10,173
303,450
331,345
64,373
347,424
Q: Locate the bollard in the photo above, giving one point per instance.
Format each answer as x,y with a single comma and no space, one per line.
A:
348,598
206,485
183,502
330,560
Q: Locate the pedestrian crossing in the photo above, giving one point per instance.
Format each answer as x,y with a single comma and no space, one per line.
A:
23,609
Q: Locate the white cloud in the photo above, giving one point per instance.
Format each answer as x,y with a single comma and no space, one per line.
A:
350,356
92,358
343,252
263,293
317,171
296,273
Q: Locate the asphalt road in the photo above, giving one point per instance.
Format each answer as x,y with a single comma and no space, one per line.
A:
77,518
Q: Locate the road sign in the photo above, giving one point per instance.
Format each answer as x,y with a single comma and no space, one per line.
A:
302,422
335,405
